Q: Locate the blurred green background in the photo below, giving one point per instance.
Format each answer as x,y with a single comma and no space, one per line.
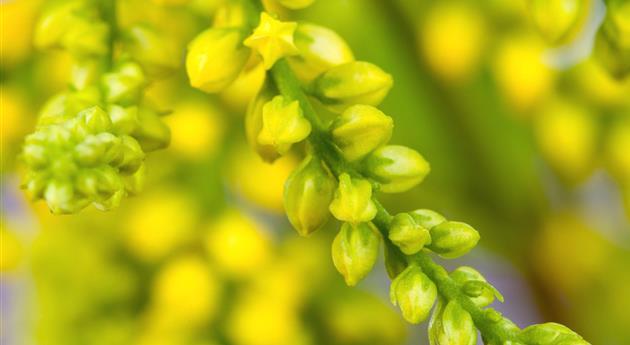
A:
529,142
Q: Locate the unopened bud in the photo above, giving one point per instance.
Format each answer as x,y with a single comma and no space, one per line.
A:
307,195
92,120
320,49
397,168
87,37
283,124
231,14
155,51
124,119
272,39
94,149
551,334
453,239
254,124
558,20
360,130
355,251
215,58
474,285
353,200
131,156
408,235
151,132
124,84
414,293
451,325
296,4
352,83
86,72
427,218
61,199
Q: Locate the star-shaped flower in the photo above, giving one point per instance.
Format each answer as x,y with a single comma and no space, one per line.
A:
272,39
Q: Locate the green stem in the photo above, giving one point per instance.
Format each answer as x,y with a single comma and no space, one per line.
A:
491,326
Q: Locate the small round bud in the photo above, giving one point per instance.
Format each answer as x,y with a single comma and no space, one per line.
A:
474,285
296,4
408,235
254,124
283,124
551,334
558,20
396,168
272,39
353,200
451,325
414,293
355,251
427,218
352,83
307,194
124,119
124,84
151,132
320,49
215,58
453,239
360,130
87,37
155,51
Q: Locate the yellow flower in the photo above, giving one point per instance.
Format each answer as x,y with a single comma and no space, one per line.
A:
272,39
186,291
237,245
283,124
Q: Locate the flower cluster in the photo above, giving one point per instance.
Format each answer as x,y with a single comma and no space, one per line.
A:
312,75
90,141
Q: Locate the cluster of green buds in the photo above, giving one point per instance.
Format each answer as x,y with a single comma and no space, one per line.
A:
90,141
347,162
612,45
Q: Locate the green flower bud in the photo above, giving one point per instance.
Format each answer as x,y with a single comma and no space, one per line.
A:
558,20
54,23
124,84
87,37
414,293
451,325
86,72
474,285
395,260
320,49
131,156
352,83
61,198
307,194
151,132
65,106
156,51
396,168
360,130
453,239
427,218
355,251
215,58
408,235
551,334
254,124
92,120
283,124
97,149
124,119
296,4
353,200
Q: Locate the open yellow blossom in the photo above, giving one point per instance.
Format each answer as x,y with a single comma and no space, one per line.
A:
272,39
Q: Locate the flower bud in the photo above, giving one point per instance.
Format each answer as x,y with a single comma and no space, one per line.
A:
551,334
360,130
254,123
54,23
215,58
451,325
230,14
272,39
307,195
320,49
396,168
124,119
475,286
61,199
151,132
87,37
353,200
86,72
296,4
283,124
156,51
124,84
414,293
352,83
453,239
355,251
427,218
408,235
558,20
92,120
